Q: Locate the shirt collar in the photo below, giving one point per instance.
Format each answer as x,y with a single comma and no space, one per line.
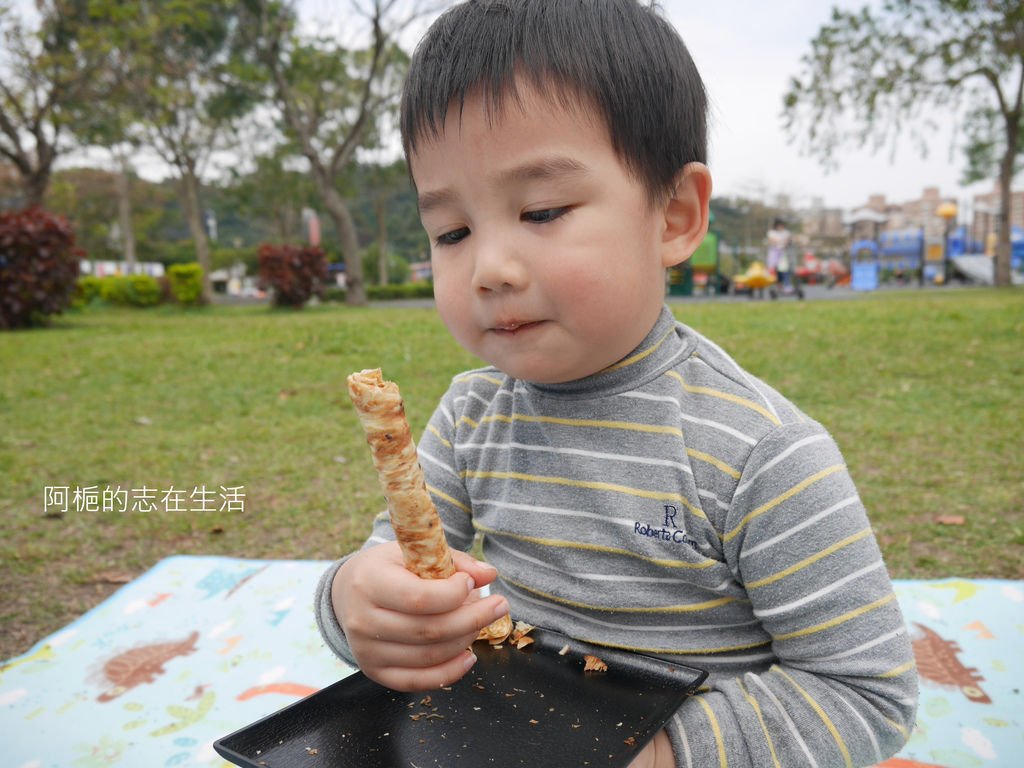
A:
662,348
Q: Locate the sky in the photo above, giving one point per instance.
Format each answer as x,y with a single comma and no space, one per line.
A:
747,51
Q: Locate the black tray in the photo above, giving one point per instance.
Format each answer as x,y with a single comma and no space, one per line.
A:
530,707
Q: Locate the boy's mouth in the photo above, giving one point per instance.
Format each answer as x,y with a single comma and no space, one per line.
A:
513,327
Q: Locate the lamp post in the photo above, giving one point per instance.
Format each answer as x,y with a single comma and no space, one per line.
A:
947,212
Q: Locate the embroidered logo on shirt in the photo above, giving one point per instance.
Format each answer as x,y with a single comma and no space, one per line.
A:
669,530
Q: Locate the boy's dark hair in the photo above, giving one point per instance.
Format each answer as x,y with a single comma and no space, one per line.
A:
620,57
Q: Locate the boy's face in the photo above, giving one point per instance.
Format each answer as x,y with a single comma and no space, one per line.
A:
548,258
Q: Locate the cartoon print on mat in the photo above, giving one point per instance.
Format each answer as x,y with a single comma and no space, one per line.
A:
141,665
937,662
288,689
45,653
220,580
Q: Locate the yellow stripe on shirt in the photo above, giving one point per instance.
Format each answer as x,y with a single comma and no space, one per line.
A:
435,431
707,457
639,355
821,713
484,376
662,429
899,728
809,560
781,498
589,484
723,761
760,718
582,545
451,500
677,651
837,620
727,396
707,605
897,671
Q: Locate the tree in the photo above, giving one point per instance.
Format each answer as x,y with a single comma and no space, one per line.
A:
274,192
887,68
42,70
110,128
387,182
332,98
179,103
87,198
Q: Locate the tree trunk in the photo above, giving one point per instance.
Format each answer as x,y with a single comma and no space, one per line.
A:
189,188
34,185
355,288
124,213
1001,267
382,242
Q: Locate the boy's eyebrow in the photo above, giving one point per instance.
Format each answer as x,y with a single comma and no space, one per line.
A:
545,168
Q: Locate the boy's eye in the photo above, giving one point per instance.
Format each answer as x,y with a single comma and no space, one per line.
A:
546,215
452,238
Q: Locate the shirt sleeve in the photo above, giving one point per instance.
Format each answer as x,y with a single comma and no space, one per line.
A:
844,689
437,458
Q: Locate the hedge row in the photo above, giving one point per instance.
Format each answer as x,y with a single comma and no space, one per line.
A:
182,284
386,292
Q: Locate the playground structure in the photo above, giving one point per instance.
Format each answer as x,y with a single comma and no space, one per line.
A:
702,271
903,255
900,256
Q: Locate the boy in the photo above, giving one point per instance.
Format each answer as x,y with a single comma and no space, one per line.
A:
633,486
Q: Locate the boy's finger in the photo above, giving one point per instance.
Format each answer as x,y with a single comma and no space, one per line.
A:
413,595
428,678
409,656
482,573
464,622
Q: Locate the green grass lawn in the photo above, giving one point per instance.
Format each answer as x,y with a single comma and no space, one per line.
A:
923,391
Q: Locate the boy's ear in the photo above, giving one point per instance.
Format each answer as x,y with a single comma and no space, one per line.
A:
686,214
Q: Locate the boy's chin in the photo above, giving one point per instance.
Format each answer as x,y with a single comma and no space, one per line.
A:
540,372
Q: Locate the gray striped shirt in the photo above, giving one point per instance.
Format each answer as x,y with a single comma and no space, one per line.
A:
673,504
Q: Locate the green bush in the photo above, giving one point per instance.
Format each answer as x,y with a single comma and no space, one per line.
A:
186,283
225,258
181,252
403,291
130,290
385,292
398,268
87,291
335,294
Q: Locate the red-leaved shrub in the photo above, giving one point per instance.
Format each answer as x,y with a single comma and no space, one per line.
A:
295,272
38,267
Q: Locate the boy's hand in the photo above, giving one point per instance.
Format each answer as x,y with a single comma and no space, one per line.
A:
657,754
408,633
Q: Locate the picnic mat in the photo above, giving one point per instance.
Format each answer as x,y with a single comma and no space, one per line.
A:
198,647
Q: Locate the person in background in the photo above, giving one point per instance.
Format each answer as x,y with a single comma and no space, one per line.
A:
778,252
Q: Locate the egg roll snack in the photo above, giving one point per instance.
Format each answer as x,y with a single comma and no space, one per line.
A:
414,518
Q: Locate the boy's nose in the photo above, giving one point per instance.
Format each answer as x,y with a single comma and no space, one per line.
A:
497,269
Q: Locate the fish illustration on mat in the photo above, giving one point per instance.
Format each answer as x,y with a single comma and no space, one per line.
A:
937,662
142,664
